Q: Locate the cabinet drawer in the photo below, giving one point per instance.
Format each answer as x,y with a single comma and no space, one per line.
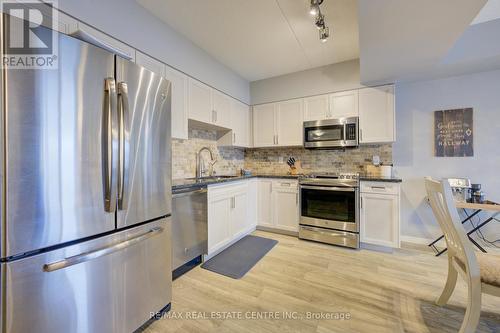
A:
222,190
291,184
380,187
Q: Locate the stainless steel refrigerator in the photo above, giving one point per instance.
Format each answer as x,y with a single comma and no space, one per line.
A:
85,168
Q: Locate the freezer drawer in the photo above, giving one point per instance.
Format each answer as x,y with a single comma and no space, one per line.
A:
110,284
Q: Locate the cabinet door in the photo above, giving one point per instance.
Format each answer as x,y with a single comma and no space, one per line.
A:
179,102
264,203
290,122
219,217
316,108
376,114
240,119
239,213
379,219
200,102
221,109
264,134
344,104
63,23
89,33
286,208
150,63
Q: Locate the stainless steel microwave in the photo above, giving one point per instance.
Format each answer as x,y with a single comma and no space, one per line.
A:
331,133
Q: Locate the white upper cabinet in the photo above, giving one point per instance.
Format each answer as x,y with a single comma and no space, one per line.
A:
150,63
344,104
240,119
208,105
178,96
376,114
221,109
278,124
289,121
94,36
316,108
264,131
200,102
63,23
179,102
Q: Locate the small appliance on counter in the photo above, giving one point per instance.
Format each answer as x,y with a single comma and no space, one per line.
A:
476,195
246,172
461,189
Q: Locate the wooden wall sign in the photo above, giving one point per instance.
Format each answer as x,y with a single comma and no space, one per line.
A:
453,133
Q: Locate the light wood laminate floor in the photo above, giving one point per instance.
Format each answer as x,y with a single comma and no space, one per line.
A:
382,292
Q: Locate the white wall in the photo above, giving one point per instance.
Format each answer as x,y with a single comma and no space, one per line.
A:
413,151
316,81
127,21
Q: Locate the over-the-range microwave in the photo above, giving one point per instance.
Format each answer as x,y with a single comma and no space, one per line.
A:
331,133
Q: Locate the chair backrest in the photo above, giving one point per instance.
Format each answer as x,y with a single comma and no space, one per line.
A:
445,211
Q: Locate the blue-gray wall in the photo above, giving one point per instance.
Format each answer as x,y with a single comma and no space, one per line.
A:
413,151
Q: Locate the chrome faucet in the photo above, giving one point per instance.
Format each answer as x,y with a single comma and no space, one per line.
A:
200,165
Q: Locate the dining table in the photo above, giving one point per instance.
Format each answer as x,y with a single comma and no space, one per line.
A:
493,209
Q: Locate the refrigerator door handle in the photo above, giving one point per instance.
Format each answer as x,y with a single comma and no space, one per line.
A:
80,258
124,139
110,145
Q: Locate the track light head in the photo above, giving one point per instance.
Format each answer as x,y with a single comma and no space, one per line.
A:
320,21
314,9
324,33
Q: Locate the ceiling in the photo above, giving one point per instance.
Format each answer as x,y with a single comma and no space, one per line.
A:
409,40
259,39
490,12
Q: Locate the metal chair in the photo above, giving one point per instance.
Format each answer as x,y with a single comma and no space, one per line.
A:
481,272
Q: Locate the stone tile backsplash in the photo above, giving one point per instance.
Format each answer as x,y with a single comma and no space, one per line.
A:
351,160
267,160
229,160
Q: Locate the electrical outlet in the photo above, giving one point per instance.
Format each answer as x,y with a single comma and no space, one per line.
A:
280,159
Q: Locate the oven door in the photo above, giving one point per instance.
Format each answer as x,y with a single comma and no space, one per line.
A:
330,207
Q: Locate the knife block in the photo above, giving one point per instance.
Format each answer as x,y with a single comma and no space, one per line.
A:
296,169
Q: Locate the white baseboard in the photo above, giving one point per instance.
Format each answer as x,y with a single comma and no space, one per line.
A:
420,243
416,240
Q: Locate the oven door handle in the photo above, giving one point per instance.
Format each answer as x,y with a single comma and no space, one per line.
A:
327,188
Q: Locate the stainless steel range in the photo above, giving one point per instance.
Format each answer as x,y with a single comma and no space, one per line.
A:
329,209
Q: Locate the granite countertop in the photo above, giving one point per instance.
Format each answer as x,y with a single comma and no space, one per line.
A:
192,183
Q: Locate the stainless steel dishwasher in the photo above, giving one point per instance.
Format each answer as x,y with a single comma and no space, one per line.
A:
189,228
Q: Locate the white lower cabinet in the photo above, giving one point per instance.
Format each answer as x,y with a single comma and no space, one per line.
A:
379,214
219,216
264,202
228,214
278,204
286,205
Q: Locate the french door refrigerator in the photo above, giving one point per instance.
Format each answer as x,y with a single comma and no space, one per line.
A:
85,194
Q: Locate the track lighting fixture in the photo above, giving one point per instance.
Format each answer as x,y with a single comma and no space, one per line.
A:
320,21
315,10
324,33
